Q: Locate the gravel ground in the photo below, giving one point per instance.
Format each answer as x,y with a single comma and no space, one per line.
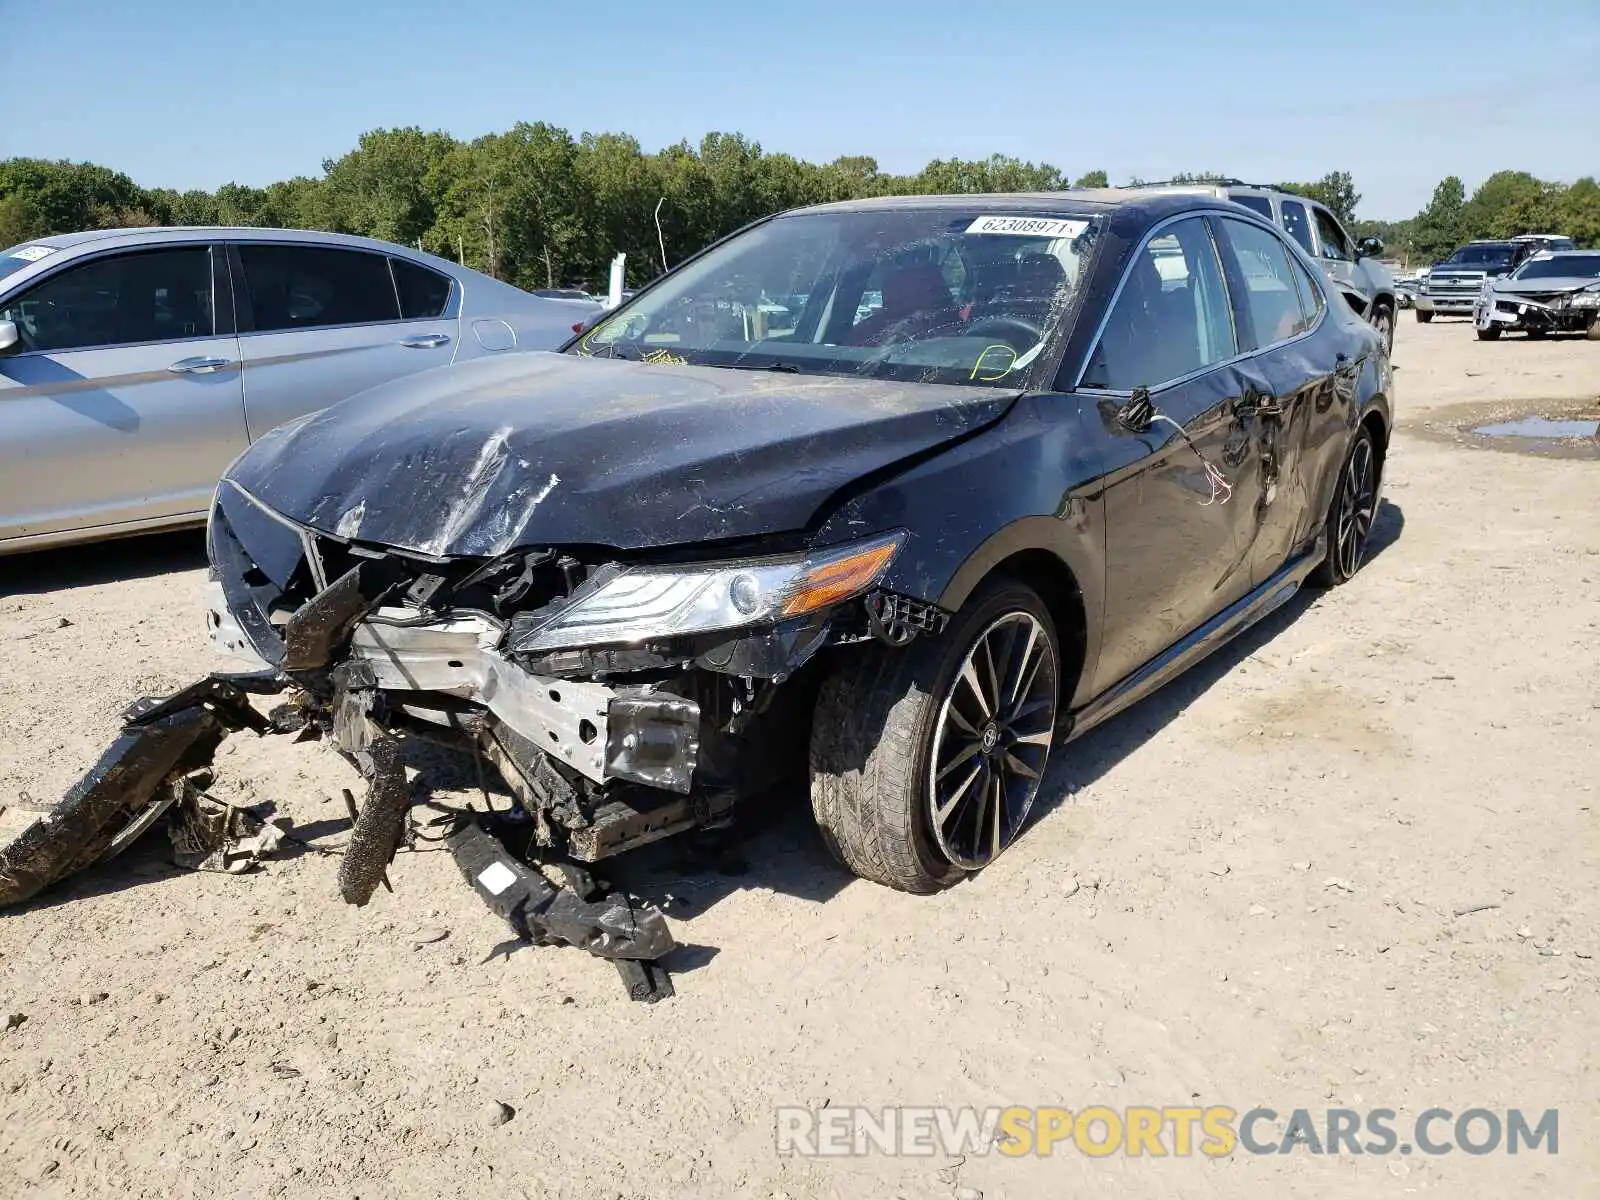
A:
1242,892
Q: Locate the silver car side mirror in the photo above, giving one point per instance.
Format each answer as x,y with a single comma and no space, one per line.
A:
9,336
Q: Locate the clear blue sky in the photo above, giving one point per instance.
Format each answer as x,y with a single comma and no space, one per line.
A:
183,93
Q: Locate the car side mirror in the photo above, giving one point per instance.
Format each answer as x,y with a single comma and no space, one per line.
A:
9,337
1369,247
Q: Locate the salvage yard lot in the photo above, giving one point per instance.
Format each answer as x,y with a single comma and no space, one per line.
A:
1242,892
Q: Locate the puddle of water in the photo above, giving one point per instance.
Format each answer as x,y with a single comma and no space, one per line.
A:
1541,427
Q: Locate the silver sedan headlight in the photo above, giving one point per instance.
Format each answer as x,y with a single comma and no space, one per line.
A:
1588,299
641,604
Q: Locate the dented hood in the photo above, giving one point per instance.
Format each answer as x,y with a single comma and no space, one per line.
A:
552,449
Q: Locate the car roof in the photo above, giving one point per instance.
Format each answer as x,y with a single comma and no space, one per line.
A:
206,233
1079,201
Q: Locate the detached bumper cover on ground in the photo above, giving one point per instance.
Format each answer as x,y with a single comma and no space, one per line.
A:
161,742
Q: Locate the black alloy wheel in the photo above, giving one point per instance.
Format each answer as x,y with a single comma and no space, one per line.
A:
993,736
926,759
1351,515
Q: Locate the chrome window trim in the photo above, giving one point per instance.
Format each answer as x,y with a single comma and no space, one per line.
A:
1151,233
211,249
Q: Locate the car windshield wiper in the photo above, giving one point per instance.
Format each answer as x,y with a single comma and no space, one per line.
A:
787,367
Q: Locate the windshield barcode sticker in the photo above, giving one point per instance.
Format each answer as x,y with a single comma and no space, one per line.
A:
1054,227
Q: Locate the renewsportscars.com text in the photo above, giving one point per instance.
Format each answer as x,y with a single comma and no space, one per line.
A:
1159,1132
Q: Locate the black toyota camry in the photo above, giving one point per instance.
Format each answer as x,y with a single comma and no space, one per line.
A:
925,486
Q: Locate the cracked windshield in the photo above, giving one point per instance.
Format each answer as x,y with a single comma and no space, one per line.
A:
951,296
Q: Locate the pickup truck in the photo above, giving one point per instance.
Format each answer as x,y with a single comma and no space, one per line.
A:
1453,286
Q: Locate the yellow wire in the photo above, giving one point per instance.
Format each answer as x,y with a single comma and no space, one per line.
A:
977,366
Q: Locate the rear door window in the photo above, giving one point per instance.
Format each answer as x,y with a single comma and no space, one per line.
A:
305,287
1297,224
1271,291
423,293
122,299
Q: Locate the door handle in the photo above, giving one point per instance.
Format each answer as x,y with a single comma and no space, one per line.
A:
199,366
425,341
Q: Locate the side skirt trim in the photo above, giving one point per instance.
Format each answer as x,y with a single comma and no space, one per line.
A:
1218,631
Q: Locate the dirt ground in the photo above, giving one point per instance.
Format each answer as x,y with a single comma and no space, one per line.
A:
1242,892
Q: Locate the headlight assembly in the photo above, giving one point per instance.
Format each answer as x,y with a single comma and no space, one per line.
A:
640,604
1589,299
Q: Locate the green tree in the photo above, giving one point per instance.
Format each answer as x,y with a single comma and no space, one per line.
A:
380,188
1092,179
68,196
1579,209
1336,190
1437,229
1511,202
20,220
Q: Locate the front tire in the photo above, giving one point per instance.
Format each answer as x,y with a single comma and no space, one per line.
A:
1351,513
1423,317
925,761
1492,334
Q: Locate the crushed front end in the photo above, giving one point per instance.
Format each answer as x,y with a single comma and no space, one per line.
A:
622,699
1569,310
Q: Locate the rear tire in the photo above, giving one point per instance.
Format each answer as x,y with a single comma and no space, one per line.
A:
1351,513
1593,332
885,716
1489,335
1423,317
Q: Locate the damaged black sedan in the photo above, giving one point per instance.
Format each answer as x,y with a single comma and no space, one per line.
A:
922,486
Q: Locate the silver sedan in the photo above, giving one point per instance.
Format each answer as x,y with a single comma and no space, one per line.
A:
135,364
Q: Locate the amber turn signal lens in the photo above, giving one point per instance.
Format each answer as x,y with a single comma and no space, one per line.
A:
830,582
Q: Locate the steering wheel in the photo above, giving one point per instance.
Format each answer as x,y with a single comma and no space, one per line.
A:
1019,334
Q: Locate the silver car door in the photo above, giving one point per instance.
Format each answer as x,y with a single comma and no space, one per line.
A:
319,323
122,401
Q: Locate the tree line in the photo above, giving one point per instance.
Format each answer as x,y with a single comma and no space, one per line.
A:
541,208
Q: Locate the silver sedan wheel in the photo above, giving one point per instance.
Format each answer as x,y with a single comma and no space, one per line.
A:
992,740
